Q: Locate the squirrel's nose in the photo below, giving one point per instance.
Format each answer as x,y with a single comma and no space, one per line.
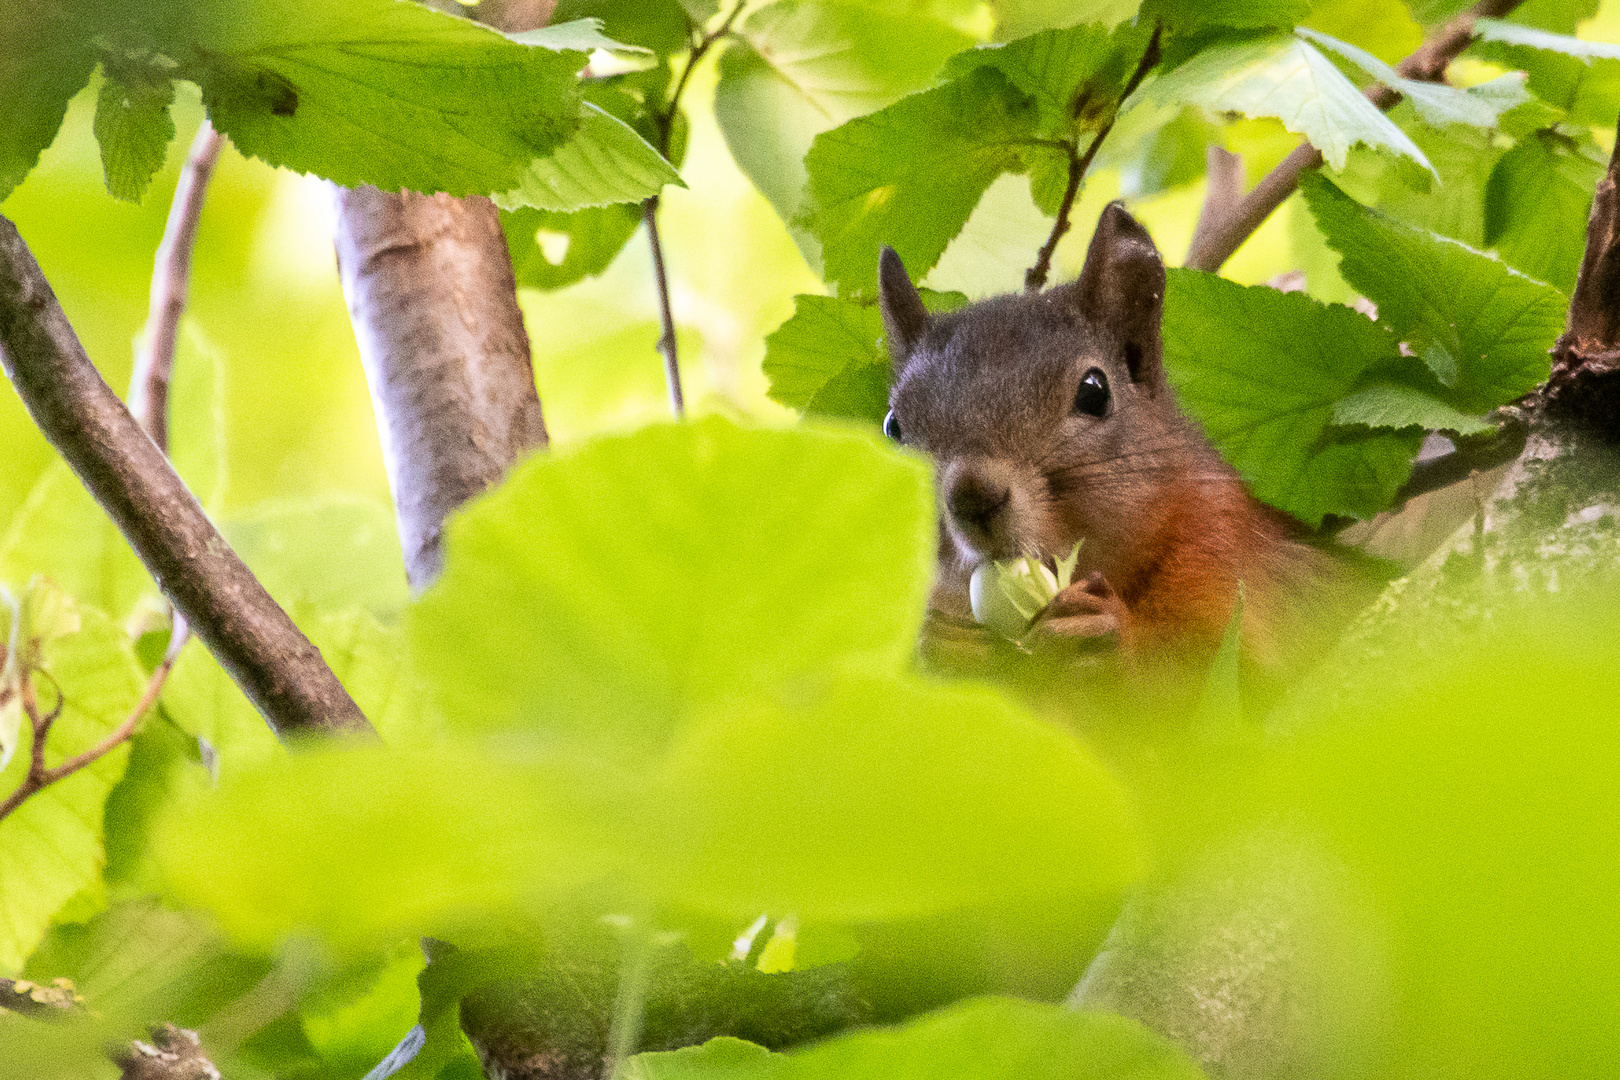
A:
974,501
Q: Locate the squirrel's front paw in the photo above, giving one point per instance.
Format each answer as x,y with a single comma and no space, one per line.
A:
1088,613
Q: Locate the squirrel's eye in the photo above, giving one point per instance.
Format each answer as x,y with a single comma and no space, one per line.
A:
1092,397
891,427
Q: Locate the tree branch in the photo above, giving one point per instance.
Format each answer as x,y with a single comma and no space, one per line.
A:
253,639
1035,276
433,301
1211,247
171,277
665,119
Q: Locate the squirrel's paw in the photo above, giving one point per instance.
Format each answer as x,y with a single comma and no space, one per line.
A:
1088,613
955,644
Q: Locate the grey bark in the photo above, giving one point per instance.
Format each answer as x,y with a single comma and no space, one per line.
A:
433,300
253,639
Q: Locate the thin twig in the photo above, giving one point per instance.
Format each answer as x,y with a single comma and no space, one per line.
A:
1035,277
649,213
40,777
171,277
1211,248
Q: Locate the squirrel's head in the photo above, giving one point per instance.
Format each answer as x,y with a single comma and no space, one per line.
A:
1047,415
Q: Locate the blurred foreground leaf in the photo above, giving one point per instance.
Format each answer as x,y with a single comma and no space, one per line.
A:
987,1038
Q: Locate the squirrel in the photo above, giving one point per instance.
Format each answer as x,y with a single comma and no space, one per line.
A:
1050,421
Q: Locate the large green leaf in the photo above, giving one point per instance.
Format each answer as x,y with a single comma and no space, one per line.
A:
51,845
375,91
1266,389
829,358
1285,76
1489,326
985,1038
1537,203
800,67
911,174
701,543
44,61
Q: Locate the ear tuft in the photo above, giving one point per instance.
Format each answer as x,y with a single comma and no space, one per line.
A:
904,317
1121,291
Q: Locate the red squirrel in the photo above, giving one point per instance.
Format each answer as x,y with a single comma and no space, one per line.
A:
1050,421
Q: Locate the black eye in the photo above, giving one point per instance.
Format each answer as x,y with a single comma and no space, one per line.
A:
1092,397
891,427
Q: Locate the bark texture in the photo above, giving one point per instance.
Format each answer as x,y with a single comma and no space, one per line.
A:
434,305
433,300
253,639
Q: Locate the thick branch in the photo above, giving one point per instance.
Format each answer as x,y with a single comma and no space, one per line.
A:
434,304
171,277
433,300
253,639
1213,246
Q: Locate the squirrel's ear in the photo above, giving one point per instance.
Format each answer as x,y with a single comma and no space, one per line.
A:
1121,290
904,317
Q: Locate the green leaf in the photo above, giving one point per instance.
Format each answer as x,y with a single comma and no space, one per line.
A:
1186,15
51,845
138,958
605,162
1284,76
1581,77
580,35
134,129
1436,103
1074,75
377,92
1513,34
738,534
61,533
589,241
1221,704
829,358
801,67
44,61
1393,406
865,797
1266,396
1462,155
985,1038
664,26
1496,322
911,174
1537,203
718,1059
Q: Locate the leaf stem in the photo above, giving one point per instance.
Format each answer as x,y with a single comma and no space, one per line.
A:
649,212
1211,247
1035,277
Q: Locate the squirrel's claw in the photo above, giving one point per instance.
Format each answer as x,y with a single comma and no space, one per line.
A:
1088,613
